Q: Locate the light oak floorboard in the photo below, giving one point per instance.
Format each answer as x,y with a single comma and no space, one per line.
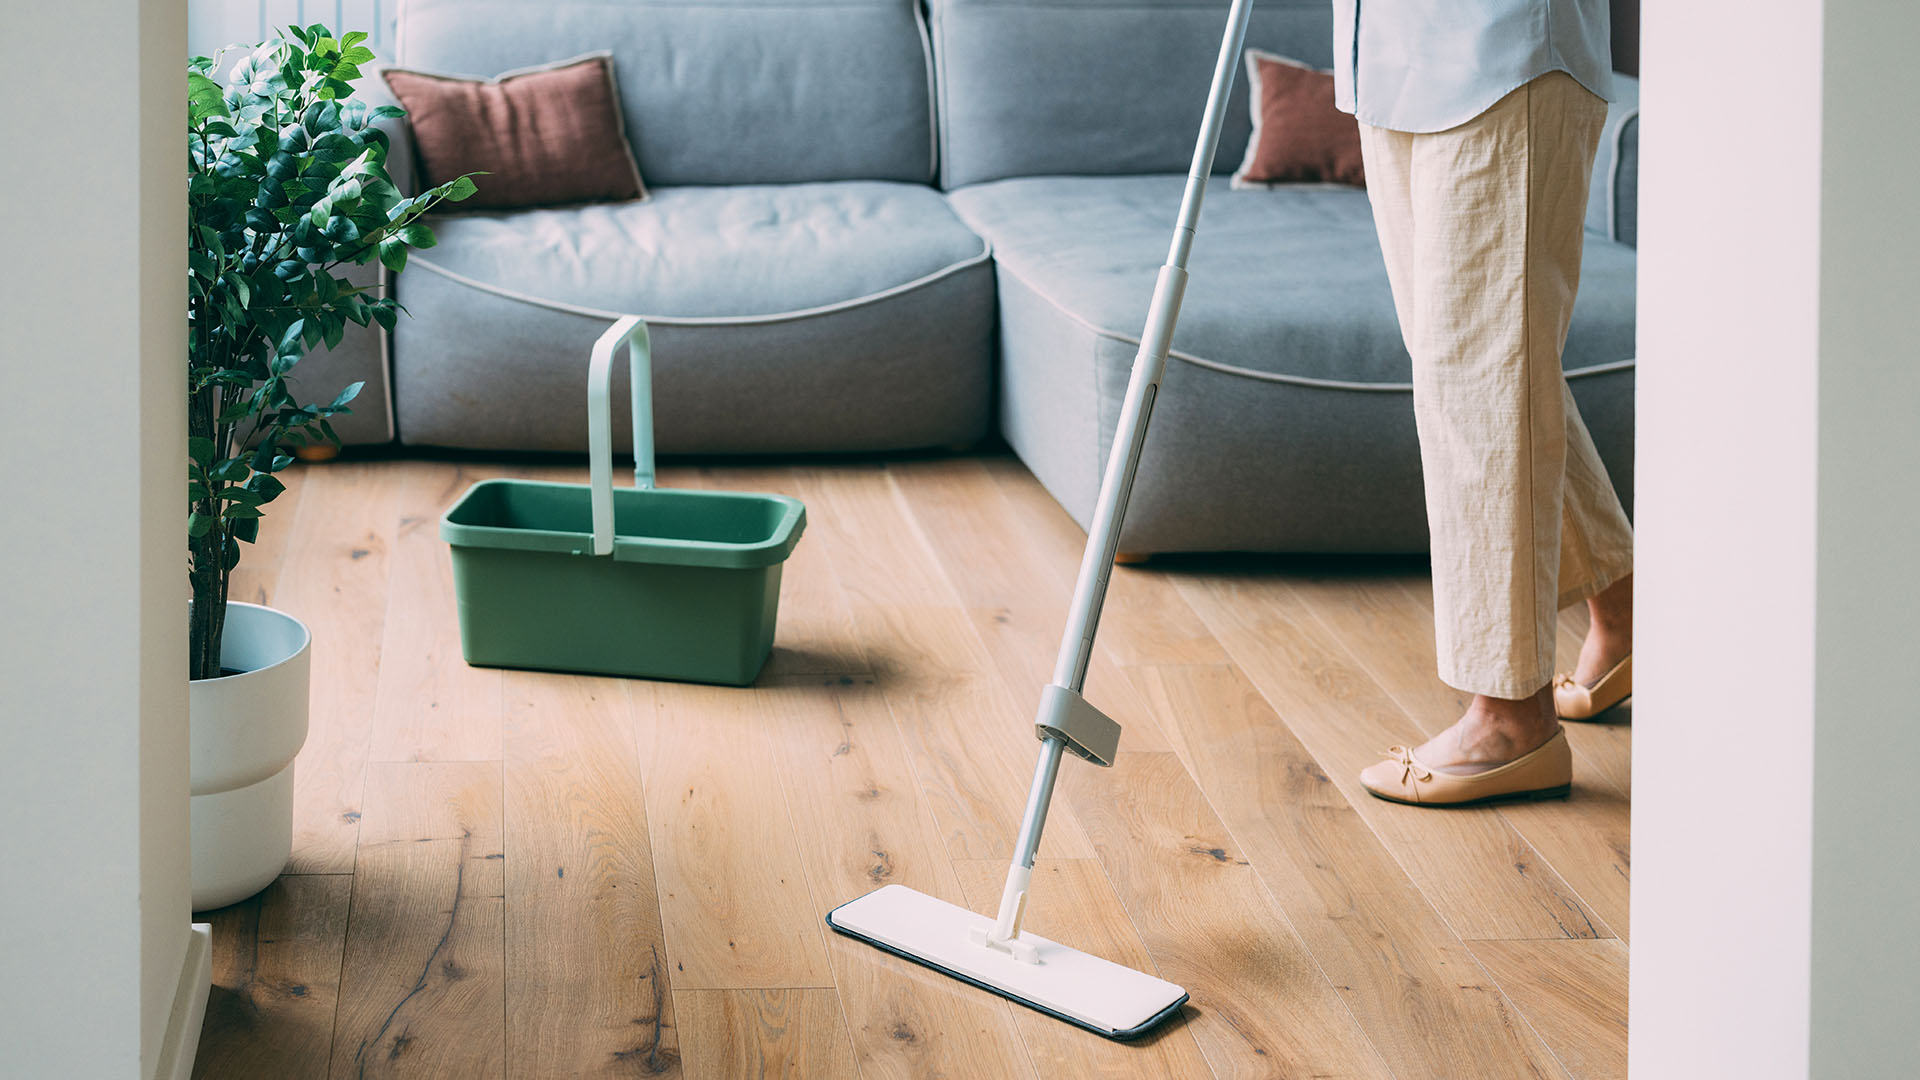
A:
1072,902
1415,989
733,898
1145,620
1479,873
795,1034
815,632
421,986
1261,1005
1016,593
256,576
275,981
336,581
586,980
1574,993
971,751
430,706
862,822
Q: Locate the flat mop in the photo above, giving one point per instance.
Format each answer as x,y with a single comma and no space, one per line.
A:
1099,995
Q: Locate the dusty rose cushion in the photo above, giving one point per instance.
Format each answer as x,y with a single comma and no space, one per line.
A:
1298,134
543,135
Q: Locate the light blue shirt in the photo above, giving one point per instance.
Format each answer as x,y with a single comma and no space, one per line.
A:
1428,65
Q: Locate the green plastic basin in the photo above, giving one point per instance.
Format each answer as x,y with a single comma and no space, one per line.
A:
691,591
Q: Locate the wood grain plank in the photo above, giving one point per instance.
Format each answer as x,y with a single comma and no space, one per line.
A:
1261,1006
1367,925
972,743
276,973
815,632
422,991
586,981
1479,873
1575,995
733,898
1146,620
429,705
863,822
257,576
1389,635
1072,902
764,1033
1016,591
336,581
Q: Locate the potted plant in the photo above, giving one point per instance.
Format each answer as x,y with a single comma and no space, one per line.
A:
286,184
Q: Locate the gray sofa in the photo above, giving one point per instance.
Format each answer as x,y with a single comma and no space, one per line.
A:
876,227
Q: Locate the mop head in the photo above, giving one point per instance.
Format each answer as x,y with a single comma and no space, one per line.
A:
1066,984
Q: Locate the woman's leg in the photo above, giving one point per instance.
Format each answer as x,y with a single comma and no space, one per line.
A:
1498,207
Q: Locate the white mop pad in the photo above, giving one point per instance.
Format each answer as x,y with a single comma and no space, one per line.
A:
1099,995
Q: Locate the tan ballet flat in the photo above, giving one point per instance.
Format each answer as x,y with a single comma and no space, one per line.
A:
1545,773
1576,701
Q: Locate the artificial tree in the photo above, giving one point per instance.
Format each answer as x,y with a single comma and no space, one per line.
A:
287,183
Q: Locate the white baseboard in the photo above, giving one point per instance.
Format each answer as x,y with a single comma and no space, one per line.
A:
181,1041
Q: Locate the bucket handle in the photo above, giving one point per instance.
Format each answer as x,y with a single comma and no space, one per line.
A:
631,331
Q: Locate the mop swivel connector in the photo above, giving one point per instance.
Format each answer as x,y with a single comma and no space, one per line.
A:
1015,947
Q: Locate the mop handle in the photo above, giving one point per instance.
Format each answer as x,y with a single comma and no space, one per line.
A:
1103,536
1110,507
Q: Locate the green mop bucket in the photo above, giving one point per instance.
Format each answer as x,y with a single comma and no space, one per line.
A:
636,582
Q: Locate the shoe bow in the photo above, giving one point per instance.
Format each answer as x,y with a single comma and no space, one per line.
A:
1408,766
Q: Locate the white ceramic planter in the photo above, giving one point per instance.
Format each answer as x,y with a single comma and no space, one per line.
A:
244,731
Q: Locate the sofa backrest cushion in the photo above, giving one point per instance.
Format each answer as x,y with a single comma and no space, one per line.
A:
1041,87
718,91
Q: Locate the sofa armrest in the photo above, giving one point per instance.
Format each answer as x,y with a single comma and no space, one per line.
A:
1613,198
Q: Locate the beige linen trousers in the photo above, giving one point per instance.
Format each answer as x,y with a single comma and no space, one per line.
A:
1481,226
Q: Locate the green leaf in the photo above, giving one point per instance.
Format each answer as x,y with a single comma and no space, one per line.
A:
417,234
351,38
248,530
200,449
460,188
231,471
204,98
352,391
266,486
393,254
199,525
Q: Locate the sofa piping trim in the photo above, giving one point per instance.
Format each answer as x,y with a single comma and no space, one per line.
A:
1619,137
986,254
1270,376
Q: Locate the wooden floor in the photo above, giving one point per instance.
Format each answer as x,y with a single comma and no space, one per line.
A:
500,873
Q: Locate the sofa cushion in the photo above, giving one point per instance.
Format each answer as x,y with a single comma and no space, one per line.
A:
1032,87
719,91
1284,282
1285,420
835,316
545,136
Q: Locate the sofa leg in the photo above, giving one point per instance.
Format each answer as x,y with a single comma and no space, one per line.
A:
1131,558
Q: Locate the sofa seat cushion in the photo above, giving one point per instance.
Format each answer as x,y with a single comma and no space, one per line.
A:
826,316
1286,282
1285,421
713,252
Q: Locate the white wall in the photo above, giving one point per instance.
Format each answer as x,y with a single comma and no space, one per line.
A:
215,23
1778,514
1866,810
93,858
